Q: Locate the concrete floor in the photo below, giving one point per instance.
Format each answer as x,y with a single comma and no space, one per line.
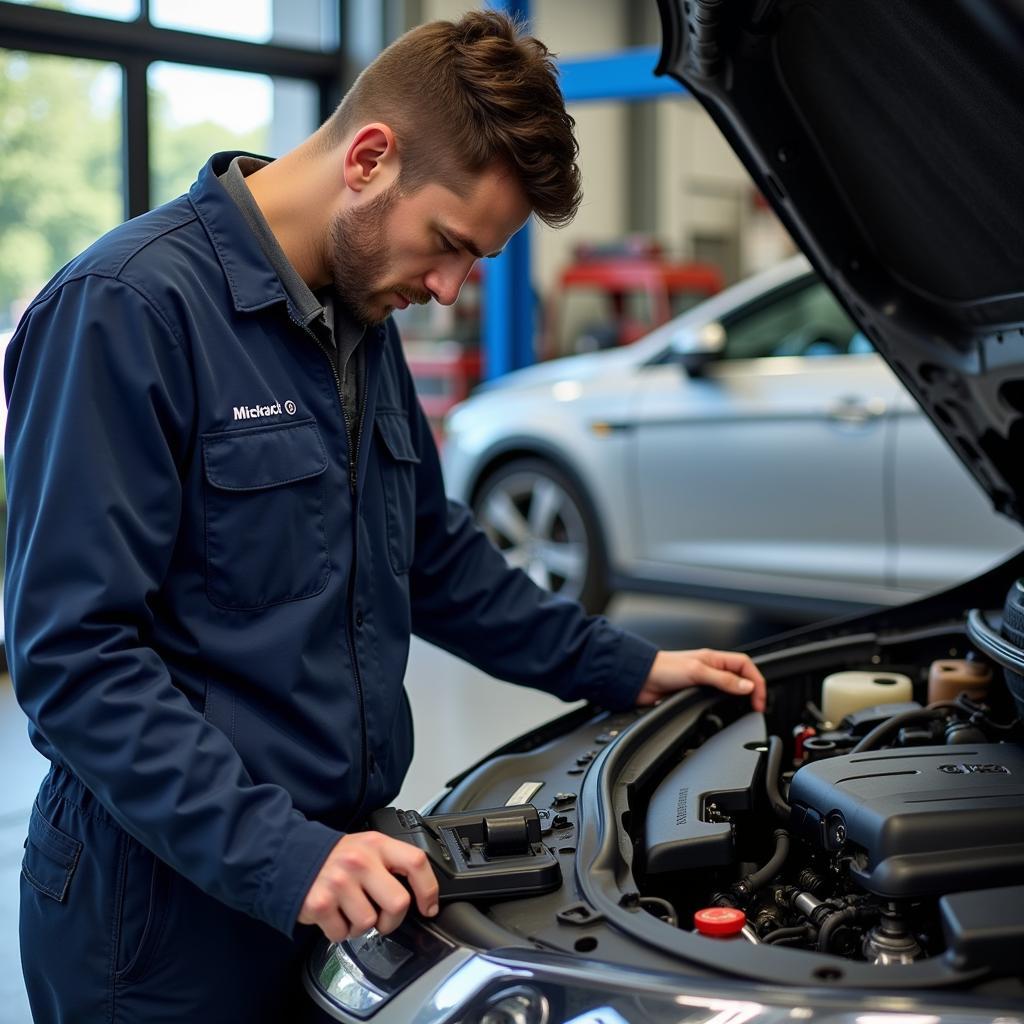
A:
460,714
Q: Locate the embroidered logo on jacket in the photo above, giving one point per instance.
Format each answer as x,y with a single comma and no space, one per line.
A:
256,412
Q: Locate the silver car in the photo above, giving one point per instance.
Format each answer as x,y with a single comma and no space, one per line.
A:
755,448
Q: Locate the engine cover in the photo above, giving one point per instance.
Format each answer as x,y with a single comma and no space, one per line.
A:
680,831
918,821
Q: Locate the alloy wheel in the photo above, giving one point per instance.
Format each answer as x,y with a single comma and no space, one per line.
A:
538,527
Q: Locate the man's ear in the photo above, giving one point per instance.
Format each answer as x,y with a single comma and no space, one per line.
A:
372,156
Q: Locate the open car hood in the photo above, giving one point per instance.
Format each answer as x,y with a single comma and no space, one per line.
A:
888,135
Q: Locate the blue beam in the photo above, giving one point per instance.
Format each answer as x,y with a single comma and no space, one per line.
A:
623,75
508,326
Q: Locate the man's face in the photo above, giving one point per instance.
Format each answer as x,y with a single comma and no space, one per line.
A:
398,249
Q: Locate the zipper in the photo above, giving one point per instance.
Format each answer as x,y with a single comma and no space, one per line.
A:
359,425
353,455
353,450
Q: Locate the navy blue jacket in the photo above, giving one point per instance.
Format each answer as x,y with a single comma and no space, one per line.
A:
208,603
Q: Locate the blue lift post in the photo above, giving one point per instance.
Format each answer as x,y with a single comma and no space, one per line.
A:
507,297
508,302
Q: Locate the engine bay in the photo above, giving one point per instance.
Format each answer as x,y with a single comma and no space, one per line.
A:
841,838
866,831
886,833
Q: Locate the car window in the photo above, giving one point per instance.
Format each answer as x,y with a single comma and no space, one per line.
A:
681,301
803,320
591,317
638,306
583,321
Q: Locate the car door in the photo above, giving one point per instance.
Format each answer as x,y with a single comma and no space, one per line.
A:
766,469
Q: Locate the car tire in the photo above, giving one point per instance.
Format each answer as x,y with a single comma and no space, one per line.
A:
544,524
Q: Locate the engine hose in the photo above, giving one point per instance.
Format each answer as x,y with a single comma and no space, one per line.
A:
832,922
668,912
771,779
810,881
723,899
885,729
796,932
749,885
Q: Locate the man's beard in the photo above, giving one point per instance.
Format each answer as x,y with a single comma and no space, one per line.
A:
359,259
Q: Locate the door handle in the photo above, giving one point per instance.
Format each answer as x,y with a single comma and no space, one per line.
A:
856,410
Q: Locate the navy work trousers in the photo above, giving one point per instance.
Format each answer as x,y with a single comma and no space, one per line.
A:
111,934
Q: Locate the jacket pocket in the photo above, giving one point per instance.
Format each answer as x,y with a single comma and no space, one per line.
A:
398,479
51,857
264,493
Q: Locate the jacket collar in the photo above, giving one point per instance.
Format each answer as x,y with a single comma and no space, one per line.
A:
250,275
252,279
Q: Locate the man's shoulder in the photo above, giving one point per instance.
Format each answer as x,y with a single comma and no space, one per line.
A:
145,247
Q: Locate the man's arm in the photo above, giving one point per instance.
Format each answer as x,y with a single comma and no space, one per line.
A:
467,600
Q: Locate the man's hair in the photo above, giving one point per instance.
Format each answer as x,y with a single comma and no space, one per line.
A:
463,96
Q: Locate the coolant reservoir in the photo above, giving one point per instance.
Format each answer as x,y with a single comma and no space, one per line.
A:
845,692
949,677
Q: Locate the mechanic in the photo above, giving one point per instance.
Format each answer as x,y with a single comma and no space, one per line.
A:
226,519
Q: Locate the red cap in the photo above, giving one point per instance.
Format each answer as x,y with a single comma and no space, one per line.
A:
719,921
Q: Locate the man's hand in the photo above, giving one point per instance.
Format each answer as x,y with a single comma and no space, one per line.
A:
727,670
356,889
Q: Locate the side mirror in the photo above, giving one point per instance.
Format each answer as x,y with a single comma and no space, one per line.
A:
695,348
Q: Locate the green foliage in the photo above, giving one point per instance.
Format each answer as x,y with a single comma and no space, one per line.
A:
179,151
60,177
61,172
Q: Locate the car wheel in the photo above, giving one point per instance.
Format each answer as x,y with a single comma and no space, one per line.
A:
543,524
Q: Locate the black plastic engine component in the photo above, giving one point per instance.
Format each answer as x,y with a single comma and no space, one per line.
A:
1013,630
718,778
985,929
489,854
859,723
917,822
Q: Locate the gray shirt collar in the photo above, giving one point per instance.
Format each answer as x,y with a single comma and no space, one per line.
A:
342,328
306,304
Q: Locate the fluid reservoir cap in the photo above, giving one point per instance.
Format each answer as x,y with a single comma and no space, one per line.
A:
719,921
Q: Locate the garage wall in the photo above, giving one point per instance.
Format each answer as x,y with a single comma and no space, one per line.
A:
570,27
706,200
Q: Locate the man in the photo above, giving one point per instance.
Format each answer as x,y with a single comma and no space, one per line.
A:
227,516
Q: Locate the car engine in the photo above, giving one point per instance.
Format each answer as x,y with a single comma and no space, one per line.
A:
865,831
878,834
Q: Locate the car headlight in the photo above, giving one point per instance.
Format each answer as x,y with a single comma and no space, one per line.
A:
361,974
341,980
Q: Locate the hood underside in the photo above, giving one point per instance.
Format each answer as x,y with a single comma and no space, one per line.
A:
888,135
